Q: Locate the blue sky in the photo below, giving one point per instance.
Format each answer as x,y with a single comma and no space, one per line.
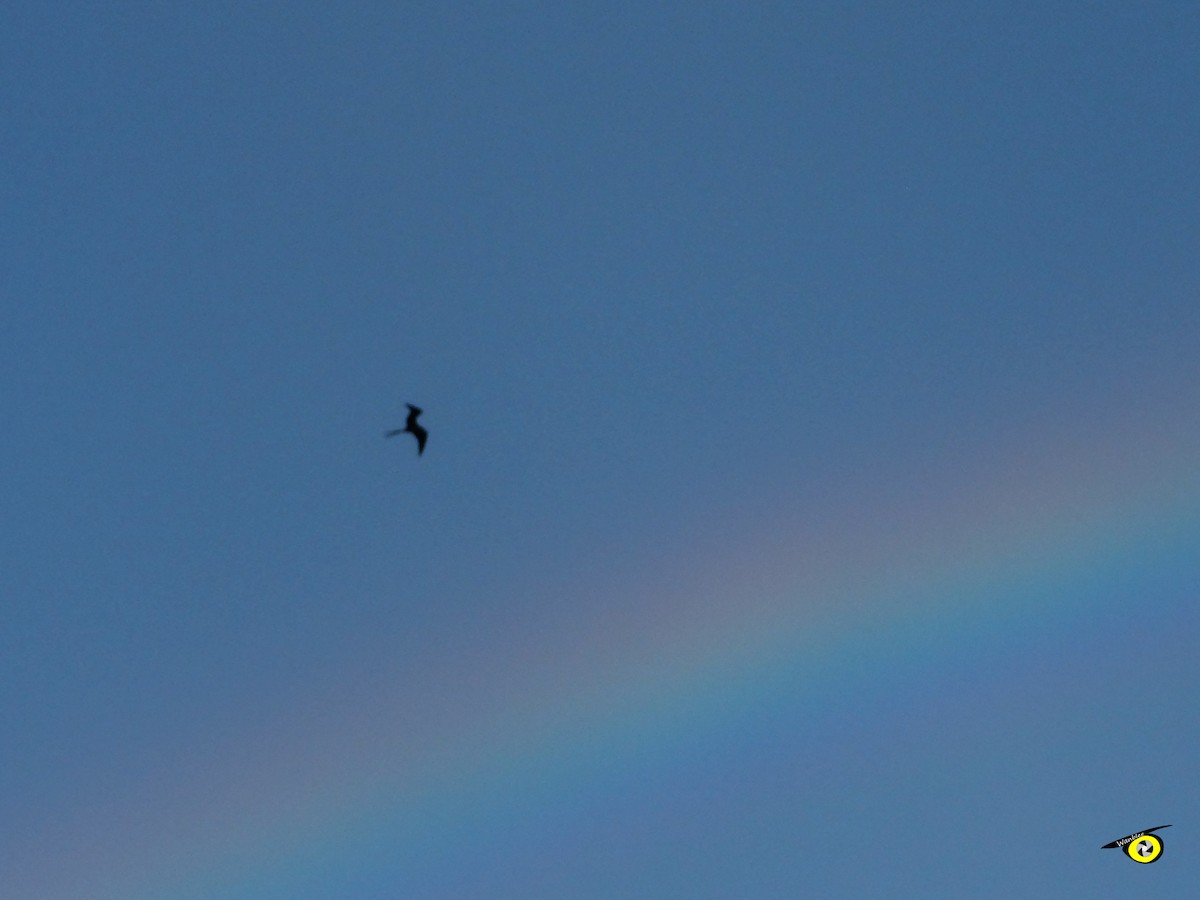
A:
812,400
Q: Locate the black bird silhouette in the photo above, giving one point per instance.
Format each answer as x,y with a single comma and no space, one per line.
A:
411,426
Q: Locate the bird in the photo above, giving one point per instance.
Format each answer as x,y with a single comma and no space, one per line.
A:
411,426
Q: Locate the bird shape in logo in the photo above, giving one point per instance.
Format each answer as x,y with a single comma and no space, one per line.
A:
411,427
1141,846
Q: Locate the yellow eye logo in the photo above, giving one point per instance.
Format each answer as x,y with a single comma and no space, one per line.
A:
1141,846
1145,849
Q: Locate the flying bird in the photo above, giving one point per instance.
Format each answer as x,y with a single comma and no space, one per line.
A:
411,426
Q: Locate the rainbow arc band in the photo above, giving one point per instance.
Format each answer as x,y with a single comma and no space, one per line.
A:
1141,846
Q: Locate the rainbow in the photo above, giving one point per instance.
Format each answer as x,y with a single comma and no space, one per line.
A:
403,761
